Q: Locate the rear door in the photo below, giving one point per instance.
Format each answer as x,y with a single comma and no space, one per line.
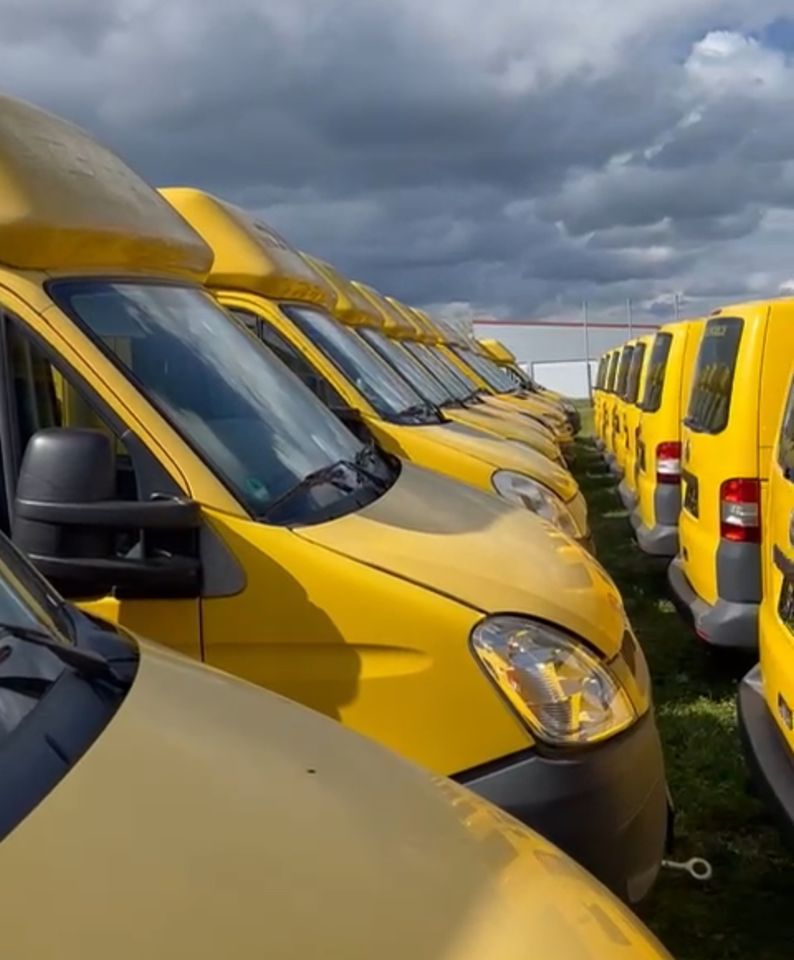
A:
775,369
777,613
718,440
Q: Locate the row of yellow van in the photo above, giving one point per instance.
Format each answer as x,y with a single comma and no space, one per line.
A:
698,420
214,441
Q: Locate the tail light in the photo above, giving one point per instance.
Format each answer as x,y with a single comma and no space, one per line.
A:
668,462
740,510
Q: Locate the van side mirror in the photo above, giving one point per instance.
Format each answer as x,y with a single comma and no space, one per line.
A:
69,521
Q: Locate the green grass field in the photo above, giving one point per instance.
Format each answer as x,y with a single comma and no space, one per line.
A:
746,911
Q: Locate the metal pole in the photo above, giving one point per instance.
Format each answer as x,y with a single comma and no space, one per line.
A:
629,317
587,350
677,308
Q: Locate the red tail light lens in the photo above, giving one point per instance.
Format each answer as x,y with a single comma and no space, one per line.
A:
740,510
668,462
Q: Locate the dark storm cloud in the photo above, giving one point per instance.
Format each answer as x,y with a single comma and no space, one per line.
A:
511,155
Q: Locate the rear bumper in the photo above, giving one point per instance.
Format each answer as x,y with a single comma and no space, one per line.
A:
768,757
726,624
627,495
606,806
658,540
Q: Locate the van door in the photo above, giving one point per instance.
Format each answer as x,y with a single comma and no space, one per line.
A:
777,644
719,444
774,378
42,392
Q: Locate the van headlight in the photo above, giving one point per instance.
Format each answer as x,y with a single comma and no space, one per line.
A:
519,489
562,691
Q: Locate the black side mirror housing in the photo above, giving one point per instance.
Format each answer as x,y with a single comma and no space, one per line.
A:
68,520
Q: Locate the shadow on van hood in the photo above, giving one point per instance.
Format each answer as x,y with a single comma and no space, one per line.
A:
214,820
481,551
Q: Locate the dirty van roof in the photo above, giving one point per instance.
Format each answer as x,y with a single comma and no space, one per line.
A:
498,350
248,254
69,204
350,305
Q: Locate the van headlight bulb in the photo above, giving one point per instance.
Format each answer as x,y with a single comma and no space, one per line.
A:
563,693
528,493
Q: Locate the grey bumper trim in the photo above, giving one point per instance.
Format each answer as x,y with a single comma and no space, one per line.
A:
656,541
726,624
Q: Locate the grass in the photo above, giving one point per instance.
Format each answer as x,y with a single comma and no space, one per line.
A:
746,910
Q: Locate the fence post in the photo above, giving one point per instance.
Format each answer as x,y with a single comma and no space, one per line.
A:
585,319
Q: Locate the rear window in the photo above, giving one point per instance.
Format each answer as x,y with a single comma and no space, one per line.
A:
710,400
623,371
613,371
657,366
785,447
635,369
602,365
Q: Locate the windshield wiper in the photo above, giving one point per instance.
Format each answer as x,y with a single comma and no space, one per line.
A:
426,410
88,664
329,474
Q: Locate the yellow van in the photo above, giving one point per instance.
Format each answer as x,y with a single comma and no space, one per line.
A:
608,405
140,785
617,448
664,403
491,383
500,354
635,384
727,438
599,395
353,379
766,695
165,469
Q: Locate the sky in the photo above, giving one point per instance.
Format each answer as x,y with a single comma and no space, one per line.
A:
508,158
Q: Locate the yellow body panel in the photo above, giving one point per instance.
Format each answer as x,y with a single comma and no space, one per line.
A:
776,616
743,447
608,402
664,424
213,820
633,414
619,427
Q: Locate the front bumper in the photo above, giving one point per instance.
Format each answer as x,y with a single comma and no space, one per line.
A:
728,623
768,757
606,806
658,540
627,495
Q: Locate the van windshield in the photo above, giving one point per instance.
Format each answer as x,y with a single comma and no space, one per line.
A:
623,371
495,378
443,369
390,396
657,367
249,418
712,386
635,370
407,366
785,453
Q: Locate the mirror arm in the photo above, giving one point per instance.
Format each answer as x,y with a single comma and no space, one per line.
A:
172,576
146,514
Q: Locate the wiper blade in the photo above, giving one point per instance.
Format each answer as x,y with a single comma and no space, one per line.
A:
329,474
418,410
88,664
364,460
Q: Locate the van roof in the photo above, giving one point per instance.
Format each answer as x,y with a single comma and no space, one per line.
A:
249,255
350,305
69,204
498,351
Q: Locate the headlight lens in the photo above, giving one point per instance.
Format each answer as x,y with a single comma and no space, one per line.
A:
528,493
563,693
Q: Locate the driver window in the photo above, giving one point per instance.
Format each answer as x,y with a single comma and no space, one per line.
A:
41,397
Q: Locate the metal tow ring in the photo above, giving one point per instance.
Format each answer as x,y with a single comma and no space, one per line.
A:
697,868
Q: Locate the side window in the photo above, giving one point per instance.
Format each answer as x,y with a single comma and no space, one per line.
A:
41,397
785,449
293,358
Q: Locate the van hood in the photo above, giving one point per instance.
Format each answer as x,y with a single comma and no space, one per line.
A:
510,423
482,551
534,460
211,819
